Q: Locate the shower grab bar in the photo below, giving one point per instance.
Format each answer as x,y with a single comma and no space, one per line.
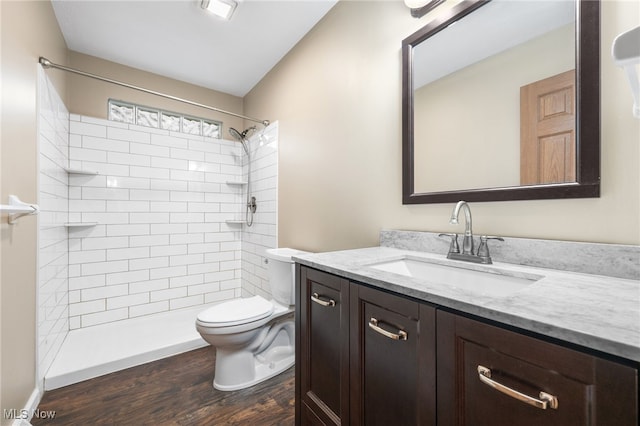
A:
17,209
48,64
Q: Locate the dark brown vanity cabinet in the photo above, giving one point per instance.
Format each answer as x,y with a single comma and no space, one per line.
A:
369,357
491,376
322,348
392,359
365,357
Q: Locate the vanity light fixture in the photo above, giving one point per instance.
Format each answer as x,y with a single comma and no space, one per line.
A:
419,8
221,8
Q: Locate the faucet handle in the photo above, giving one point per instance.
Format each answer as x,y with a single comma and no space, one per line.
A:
453,247
483,250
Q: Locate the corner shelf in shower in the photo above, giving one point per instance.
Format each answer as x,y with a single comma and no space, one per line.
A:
234,222
80,171
80,224
236,182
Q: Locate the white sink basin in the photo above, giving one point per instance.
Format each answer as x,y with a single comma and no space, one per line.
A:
499,283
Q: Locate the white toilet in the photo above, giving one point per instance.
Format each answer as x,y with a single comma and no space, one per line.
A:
254,337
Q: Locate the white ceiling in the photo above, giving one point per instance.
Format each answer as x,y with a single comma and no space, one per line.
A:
178,39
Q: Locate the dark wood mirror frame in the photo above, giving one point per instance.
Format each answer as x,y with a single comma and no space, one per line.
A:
587,183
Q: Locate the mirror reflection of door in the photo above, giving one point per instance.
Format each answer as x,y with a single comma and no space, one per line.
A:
547,130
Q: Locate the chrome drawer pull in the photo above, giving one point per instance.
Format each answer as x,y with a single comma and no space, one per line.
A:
316,298
373,324
546,400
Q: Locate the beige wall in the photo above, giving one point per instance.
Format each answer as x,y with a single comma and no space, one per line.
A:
88,96
337,96
29,29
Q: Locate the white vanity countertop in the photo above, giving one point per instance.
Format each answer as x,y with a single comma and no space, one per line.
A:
593,311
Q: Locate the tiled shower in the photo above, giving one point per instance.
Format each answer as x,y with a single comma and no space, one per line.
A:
137,220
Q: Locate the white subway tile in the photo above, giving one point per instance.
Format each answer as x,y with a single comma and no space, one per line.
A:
83,154
149,308
80,283
175,228
168,207
87,129
186,301
148,149
127,206
128,135
87,206
187,154
186,196
148,240
188,259
136,229
148,263
171,293
203,288
89,193
146,286
104,317
170,250
186,217
129,300
149,172
96,268
104,243
186,280
170,141
149,195
86,256
187,175
103,292
169,163
191,239
127,253
128,159
104,144
83,308
174,271
169,185
149,218
127,182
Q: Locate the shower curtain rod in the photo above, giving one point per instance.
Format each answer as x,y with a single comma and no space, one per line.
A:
48,64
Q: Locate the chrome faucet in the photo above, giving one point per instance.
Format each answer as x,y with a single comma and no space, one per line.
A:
482,256
467,241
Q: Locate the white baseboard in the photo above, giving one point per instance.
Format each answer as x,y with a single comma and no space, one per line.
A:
26,414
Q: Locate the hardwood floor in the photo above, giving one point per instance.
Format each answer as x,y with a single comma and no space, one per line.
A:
171,391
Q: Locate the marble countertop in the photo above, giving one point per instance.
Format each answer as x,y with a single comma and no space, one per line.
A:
594,311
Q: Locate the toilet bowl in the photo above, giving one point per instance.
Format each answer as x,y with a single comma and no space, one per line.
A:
254,337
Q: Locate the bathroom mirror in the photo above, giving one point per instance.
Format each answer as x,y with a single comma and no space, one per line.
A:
501,101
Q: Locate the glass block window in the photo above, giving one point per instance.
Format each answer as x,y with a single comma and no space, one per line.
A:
126,112
121,112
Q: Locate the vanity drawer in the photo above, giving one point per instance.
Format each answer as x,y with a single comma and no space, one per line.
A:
492,376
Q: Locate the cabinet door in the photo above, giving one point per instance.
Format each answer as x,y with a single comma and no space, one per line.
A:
491,376
392,359
322,348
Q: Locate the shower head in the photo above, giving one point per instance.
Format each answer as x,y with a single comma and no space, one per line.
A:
242,137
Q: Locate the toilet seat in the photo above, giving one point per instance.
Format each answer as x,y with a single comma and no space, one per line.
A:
236,312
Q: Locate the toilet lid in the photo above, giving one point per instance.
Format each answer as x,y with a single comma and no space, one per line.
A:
237,311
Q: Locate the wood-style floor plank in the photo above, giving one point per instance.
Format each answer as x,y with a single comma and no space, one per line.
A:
172,391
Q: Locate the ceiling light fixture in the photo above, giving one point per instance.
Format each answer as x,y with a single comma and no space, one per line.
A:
419,8
221,8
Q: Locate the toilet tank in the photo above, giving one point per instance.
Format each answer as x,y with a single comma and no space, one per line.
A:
280,268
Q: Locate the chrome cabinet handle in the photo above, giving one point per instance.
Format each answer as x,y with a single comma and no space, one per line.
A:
315,297
546,400
373,324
